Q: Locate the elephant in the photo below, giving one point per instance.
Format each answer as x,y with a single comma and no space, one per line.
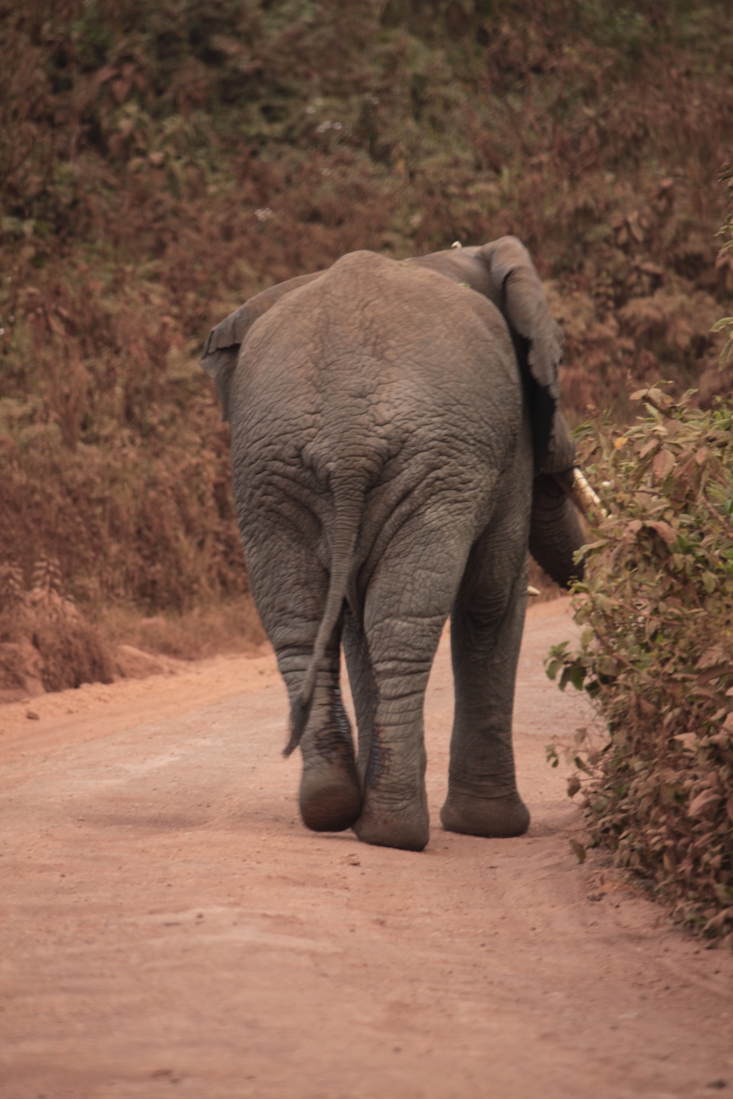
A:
397,446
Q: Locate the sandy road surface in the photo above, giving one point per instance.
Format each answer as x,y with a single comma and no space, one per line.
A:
169,928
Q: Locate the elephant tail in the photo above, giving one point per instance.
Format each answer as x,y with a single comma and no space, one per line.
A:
349,501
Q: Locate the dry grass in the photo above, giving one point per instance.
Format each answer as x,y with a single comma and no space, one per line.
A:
46,643
231,626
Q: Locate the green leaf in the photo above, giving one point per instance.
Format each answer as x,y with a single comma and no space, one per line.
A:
577,676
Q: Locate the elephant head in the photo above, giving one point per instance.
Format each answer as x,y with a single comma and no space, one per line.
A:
503,272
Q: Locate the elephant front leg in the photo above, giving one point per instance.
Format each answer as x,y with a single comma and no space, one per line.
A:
485,640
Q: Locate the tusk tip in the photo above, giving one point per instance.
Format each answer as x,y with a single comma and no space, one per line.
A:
583,496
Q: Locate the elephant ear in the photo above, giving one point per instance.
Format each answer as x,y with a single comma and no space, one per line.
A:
503,272
526,308
221,350
538,341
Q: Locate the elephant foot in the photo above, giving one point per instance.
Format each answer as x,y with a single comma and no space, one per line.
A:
330,799
406,830
492,817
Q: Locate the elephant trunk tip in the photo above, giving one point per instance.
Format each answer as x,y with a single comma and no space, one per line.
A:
298,721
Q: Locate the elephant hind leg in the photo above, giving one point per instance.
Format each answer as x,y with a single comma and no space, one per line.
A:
408,600
330,794
290,588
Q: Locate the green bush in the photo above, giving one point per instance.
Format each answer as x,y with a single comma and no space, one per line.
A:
656,653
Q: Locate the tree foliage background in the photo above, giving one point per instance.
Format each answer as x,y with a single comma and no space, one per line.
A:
160,161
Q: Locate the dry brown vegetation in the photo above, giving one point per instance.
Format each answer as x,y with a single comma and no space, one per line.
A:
656,655
46,644
161,161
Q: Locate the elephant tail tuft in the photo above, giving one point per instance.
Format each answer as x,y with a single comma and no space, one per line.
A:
349,503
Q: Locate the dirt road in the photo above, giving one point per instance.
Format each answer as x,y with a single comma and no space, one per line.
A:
169,928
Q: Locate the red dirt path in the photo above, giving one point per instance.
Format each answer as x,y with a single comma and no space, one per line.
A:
169,928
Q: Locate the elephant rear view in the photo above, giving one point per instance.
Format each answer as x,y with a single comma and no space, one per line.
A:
384,452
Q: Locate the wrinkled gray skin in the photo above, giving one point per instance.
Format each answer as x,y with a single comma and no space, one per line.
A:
395,445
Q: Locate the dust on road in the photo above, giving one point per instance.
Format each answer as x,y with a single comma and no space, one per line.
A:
169,927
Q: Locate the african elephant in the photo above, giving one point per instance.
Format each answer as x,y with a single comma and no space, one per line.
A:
396,444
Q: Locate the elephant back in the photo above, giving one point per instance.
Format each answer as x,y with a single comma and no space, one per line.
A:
503,272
